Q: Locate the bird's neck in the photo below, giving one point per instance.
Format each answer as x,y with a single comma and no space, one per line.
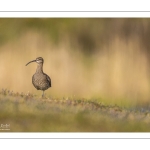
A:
39,68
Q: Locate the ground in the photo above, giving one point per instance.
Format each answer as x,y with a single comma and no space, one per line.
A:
29,113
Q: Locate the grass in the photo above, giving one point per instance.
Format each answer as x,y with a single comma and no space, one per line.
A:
90,57
99,70
29,113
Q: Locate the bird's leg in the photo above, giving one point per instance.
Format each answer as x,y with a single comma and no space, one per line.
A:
43,94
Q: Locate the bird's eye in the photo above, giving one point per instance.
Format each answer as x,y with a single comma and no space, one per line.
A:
38,61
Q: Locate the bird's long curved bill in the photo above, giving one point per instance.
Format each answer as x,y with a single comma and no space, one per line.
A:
30,62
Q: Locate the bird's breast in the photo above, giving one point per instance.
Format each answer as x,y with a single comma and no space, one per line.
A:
40,81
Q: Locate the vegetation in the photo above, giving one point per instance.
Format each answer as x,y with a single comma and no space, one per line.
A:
26,112
99,70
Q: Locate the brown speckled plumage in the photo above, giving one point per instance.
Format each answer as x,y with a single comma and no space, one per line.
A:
40,80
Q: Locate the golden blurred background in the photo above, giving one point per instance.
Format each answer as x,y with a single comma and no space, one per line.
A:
85,57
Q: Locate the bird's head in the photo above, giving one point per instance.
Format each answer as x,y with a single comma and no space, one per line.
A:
38,60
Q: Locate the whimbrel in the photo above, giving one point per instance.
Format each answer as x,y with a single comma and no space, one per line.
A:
40,80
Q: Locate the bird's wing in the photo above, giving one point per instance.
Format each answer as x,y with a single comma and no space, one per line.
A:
48,78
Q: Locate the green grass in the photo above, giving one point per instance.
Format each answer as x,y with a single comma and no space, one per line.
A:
29,113
106,60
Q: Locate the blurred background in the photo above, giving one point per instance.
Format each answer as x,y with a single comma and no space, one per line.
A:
100,58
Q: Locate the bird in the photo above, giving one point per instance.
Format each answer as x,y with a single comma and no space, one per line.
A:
40,80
